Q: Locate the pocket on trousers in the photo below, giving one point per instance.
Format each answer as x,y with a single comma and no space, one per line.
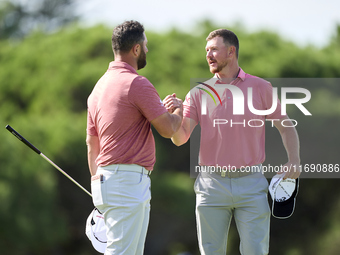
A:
98,190
131,178
265,183
196,183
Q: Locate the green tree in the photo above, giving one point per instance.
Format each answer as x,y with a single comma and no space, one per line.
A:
18,18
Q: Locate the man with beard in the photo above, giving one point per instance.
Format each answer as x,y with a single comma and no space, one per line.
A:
234,147
121,147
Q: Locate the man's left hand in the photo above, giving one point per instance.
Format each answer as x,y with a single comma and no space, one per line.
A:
292,170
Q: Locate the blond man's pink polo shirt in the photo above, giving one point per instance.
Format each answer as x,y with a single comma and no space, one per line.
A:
120,109
229,140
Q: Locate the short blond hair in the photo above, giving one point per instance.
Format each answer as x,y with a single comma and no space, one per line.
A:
229,38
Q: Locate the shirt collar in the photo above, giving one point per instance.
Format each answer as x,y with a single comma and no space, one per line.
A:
241,74
121,64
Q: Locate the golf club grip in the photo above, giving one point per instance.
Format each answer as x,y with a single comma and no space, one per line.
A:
17,135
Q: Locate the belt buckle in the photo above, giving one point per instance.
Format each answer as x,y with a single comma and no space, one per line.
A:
223,173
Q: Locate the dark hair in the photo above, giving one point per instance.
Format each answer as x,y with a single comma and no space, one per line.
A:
228,36
126,35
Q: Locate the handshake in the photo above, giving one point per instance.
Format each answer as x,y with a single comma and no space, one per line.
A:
171,103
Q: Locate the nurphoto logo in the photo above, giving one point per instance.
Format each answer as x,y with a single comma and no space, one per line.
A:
239,103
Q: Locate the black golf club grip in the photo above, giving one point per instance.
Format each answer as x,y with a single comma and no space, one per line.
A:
17,135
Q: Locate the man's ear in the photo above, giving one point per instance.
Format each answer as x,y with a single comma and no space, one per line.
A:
231,51
136,50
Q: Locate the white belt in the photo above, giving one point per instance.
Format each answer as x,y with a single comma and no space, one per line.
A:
127,168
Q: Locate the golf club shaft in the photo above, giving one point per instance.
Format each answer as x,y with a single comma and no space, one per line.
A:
21,138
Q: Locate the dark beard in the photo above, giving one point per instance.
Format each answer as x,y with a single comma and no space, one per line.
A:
141,62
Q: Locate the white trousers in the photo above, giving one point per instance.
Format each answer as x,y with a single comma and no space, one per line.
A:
123,196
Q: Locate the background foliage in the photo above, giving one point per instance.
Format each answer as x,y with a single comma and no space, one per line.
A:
45,80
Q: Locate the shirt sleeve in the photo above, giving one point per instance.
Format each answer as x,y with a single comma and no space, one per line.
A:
268,101
91,128
145,97
189,108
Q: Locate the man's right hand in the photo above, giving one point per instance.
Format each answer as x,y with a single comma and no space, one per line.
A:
171,103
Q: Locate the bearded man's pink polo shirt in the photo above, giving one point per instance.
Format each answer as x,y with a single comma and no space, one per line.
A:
120,109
